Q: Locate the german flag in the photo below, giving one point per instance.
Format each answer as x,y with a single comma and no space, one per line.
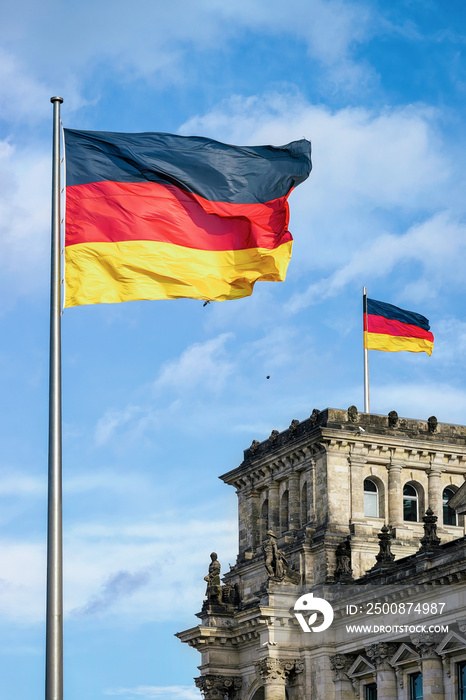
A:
161,216
386,327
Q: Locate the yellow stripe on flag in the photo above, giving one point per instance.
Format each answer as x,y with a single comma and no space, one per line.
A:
393,343
98,273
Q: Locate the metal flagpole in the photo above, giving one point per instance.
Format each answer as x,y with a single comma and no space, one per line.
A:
54,623
367,407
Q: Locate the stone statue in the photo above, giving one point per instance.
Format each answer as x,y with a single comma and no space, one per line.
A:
343,570
273,557
214,589
352,414
276,563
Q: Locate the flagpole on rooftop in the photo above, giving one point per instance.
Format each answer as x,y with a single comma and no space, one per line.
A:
54,621
367,408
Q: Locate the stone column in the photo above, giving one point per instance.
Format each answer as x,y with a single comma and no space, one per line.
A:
395,495
380,655
243,525
294,502
310,481
343,686
253,514
215,687
432,668
273,673
274,507
435,492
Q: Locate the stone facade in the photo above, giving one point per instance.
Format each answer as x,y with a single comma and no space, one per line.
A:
335,507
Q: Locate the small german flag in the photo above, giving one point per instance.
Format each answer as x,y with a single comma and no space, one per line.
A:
386,327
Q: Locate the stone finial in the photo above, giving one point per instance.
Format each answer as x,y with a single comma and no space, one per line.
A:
430,541
343,570
314,417
385,556
293,425
352,414
392,419
273,436
432,423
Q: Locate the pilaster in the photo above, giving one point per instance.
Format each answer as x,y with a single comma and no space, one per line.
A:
380,655
432,668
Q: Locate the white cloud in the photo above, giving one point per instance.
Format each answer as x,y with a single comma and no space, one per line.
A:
203,364
149,570
14,484
113,421
152,42
24,220
438,244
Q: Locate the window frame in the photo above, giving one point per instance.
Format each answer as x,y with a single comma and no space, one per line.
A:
416,499
375,498
461,679
451,512
413,695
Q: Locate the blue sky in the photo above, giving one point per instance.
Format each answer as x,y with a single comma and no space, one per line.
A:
162,397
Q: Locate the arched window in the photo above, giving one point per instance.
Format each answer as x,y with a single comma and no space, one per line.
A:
449,514
371,499
410,503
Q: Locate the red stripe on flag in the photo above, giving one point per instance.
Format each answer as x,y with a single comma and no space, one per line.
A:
114,211
379,324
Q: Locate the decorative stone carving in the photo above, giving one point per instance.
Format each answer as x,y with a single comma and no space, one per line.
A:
392,419
432,423
293,425
272,670
273,437
380,654
425,642
314,417
276,563
343,570
340,663
430,542
385,557
352,414
215,687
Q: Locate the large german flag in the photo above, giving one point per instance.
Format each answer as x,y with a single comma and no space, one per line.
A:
386,327
160,216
